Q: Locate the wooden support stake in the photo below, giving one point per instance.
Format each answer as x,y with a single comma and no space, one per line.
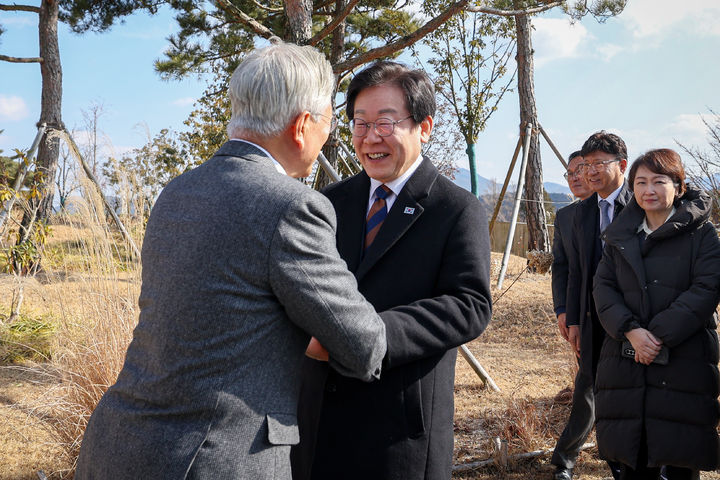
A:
328,168
498,204
76,151
466,467
479,370
552,145
20,176
516,207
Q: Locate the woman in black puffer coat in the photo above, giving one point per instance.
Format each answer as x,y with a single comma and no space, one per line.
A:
656,291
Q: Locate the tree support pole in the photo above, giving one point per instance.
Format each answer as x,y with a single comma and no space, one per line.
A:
475,365
73,146
516,208
498,204
20,176
552,145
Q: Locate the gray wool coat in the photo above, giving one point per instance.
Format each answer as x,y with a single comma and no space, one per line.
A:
240,268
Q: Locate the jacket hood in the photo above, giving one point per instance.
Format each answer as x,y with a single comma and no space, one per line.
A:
692,210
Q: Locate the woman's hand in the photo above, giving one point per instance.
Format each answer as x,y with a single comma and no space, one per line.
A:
646,345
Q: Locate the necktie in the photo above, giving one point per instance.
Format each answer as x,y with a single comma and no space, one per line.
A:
604,215
376,215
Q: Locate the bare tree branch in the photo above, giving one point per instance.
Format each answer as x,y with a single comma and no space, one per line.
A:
257,27
339,18
512,13
401,43
21,59
266,8
19,8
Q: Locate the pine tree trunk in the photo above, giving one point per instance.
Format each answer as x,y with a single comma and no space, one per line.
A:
299,16
51,101
538,238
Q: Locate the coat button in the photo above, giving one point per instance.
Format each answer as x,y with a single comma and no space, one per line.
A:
331,387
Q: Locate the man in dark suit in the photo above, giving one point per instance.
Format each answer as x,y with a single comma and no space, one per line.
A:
239,270
582,416
603,166
428,260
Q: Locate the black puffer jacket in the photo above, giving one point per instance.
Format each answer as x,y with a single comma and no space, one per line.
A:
668,284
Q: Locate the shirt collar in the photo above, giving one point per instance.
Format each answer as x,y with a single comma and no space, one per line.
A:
611,198
644,225
278,167
397,185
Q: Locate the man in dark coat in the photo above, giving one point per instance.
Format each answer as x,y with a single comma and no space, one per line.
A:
604,163
582,416
428,260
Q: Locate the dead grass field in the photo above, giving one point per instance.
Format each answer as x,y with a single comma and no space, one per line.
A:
521,350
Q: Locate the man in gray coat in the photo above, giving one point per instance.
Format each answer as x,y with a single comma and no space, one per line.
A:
240,268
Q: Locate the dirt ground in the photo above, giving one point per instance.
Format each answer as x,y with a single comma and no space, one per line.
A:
521,351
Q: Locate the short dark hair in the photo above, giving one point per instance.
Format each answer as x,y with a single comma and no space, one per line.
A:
416,85
603,141
575,154
663,161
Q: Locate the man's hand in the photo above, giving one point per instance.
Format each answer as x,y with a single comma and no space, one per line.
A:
574,338
646,345
562,326
316,351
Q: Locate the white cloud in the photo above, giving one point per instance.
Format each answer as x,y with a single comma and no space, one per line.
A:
655,17
557,38
183,102
608,51
12,108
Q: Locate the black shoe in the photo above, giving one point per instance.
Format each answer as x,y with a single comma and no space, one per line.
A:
562,473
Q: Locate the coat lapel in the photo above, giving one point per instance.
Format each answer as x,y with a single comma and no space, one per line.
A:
404,212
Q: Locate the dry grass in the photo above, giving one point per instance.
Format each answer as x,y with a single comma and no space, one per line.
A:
89,287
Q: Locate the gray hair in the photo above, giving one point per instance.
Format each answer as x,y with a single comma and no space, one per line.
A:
274,84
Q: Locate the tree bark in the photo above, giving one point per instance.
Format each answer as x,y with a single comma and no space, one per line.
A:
299,17
51,101
538,238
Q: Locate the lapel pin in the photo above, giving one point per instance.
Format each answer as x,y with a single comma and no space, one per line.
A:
409,210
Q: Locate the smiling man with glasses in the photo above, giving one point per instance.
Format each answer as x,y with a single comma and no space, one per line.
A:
604,162
418,244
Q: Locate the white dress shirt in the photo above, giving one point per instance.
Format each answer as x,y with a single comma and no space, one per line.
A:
395,186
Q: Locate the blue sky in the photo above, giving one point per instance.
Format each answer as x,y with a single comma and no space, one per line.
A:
646,75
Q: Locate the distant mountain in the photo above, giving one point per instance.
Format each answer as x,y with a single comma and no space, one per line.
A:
552,187
558,193
462,178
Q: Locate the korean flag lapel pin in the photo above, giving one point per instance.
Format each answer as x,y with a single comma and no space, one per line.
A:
409,211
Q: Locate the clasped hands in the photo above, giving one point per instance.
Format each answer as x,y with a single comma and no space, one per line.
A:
646,345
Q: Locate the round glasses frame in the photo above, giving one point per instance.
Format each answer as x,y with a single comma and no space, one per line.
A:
383,127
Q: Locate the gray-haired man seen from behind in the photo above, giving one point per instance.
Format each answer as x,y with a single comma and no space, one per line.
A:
240,268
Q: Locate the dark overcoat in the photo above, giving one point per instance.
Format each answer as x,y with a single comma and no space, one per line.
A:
427,272
587,250
667,284
562,255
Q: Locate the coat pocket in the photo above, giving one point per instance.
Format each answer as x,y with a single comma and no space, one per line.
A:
282,429
412,400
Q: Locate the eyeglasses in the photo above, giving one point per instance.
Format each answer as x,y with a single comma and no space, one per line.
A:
596,166
384,127
333,120
572,174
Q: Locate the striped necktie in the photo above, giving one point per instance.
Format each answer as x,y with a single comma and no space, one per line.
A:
376,215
